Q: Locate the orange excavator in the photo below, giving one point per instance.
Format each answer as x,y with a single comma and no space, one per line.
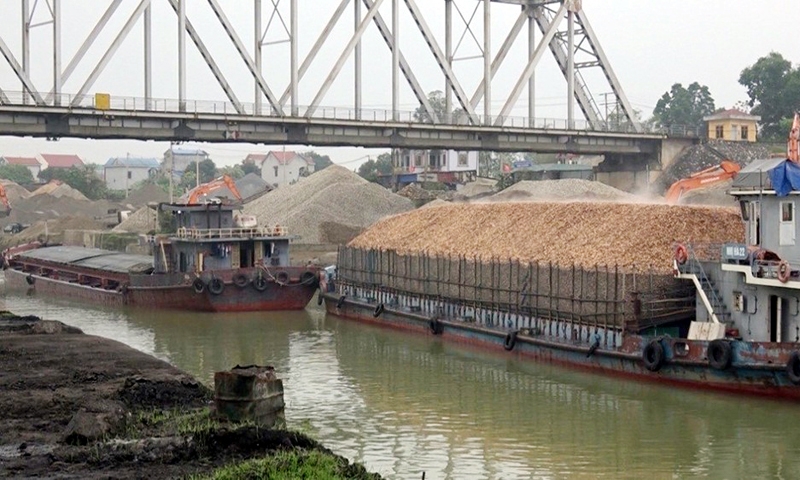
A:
194,195
726,170
6,204
793,149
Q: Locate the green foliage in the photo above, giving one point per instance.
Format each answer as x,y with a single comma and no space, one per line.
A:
437,101
684,106
167,223
16,173
291,465
236,171
84,179
208,172
773,86
371,169
248,168
320,161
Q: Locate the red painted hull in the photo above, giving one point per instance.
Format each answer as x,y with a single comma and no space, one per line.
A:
761,378
178,297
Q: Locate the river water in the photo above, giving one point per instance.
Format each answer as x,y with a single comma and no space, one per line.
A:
405,404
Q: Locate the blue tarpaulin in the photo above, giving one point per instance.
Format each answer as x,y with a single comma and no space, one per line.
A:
785,177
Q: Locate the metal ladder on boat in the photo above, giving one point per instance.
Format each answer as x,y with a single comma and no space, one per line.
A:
706,288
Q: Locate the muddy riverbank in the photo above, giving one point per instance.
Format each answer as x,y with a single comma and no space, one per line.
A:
80,406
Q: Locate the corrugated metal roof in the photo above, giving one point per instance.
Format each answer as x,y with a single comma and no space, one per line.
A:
92,258
133,162
756,174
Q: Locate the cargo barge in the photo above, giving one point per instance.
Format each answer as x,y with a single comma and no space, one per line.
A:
736,329
213,262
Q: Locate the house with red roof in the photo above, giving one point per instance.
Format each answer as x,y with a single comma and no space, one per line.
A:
732,125
53,160
282,168
31,163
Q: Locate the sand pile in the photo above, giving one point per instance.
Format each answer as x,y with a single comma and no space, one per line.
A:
52,230
143,220
330,206
436,203
480,187
146,194
58,190
581,233
567,189
14,191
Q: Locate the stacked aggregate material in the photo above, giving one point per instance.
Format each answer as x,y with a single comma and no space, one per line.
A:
330,206
626,235
59,190
251,185
53,230
579,261
567,189
414,192
143,220
710,154
14,191
480,187
436,203
147,194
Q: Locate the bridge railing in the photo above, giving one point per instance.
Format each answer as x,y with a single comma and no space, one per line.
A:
171,105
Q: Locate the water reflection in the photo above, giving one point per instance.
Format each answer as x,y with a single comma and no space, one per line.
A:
405,404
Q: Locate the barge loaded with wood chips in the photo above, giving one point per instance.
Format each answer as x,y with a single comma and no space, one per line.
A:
215,261
691,296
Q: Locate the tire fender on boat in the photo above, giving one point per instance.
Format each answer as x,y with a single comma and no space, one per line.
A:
30,279
681,254
378,310
198,285
510,341
216,286
282,277
309,278
436,326
260,283
793,368
720,354
240,280
784,271
653,356
340,302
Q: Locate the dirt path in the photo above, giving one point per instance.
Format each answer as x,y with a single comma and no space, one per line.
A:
80,406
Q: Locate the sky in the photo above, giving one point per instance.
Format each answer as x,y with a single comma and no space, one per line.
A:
650,46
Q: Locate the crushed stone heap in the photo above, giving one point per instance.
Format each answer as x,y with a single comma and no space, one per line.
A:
567,189
639,236
330,206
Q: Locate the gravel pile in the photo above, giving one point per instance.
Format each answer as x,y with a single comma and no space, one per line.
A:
582,233
14,191
58,190
414,192
436,203
480,187
143,220
53,232
700,157
567,189
324,205
147,194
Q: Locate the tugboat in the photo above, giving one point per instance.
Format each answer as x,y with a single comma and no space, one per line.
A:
739,334
214,261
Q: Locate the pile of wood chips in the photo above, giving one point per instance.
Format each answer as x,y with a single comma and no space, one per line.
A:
632,236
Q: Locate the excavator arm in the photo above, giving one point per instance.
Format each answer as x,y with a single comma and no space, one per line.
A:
705,178
6,211
212,186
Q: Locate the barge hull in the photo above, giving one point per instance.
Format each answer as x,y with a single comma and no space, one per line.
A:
766,379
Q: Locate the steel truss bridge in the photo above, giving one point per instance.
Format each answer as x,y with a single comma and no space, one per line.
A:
278,116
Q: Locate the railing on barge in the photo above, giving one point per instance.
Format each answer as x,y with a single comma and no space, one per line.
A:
601,296
237,232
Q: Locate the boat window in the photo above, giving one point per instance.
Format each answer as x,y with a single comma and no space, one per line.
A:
787,211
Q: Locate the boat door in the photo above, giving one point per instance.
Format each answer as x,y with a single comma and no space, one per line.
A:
787,228
780,321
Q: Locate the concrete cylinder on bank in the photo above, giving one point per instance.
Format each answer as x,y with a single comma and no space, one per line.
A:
251,393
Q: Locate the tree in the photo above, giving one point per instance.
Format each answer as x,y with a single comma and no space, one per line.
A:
235,172
208,172
84,179
249,168
16,173
437,101
684,106
320,161
371,169
773,86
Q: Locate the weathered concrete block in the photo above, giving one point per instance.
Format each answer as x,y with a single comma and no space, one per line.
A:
249,394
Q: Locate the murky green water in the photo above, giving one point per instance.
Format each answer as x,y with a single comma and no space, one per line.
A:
406,404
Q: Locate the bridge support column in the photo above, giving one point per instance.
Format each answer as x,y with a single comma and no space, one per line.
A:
631,173
487,62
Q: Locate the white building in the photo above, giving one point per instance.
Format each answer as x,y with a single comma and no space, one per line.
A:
284,168
177,159
31,163
123,172
436,161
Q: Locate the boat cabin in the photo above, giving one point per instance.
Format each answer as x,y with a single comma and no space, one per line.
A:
753,288
212,236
